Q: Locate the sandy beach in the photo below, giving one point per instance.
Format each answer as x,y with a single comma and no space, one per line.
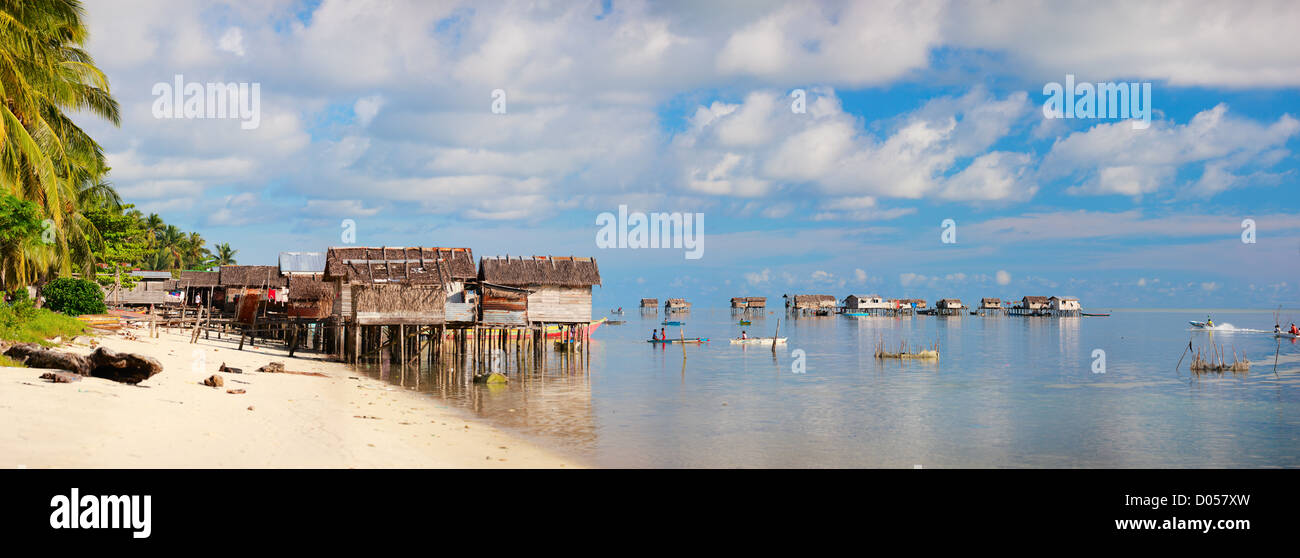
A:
171,420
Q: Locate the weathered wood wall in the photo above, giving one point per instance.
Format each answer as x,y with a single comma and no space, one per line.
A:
560,304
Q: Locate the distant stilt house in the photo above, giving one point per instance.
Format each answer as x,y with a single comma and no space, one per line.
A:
247,287
871,304
310,298
990,306
821,304
676,305
1031,306
203,288
650,305
949,307
747,303
1064,306
556,289
151,288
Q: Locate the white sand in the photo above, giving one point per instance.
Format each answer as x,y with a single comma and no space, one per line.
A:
171,420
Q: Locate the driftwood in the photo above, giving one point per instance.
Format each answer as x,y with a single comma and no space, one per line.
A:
128,368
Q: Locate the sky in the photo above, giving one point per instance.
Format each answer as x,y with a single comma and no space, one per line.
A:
906,149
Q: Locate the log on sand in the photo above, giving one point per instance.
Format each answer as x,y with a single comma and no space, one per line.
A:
128,368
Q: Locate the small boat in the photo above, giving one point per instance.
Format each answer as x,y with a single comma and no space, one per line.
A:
565,344
1285,335
757,341
744,322
615,322
1199,324
1096,314
673,323
856,314
687,340
619,312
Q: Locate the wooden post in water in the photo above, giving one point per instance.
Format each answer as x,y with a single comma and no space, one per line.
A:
775,335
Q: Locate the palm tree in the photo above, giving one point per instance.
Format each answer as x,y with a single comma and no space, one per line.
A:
171,241
44,157
152,226
225,255
196,254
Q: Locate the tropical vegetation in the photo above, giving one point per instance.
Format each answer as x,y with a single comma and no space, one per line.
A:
59,215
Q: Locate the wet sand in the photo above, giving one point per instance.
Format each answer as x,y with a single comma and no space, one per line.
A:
283,420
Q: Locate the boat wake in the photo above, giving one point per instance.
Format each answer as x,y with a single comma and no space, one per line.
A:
1230,327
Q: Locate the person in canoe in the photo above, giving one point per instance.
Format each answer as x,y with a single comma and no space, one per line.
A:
1209,322
663,333
744,335
1277,328
1294,330
654,335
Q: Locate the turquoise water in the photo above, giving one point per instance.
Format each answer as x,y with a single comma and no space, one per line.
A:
1006,392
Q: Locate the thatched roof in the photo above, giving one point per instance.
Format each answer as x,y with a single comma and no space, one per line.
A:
306,288
677,302
813,300
549,271
200,278
1035,299
254,276
987,300
371,267
649,302
460,261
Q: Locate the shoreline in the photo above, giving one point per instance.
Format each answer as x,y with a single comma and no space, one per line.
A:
343,420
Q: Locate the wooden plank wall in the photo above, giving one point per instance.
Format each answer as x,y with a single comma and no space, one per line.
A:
560,304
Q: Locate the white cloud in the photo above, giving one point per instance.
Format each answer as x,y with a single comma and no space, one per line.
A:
759,278
232,41
367,108
1003,277
1196,43
1113,158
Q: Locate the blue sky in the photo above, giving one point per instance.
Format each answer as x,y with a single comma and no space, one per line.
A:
916,112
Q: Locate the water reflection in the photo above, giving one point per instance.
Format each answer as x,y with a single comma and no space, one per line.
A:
1006,392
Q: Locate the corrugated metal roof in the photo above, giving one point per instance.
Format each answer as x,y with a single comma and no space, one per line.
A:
302,262
152,274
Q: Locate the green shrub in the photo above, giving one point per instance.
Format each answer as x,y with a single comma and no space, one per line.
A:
74,297
25,323
18,295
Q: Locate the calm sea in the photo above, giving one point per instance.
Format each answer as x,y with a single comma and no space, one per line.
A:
1006,392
